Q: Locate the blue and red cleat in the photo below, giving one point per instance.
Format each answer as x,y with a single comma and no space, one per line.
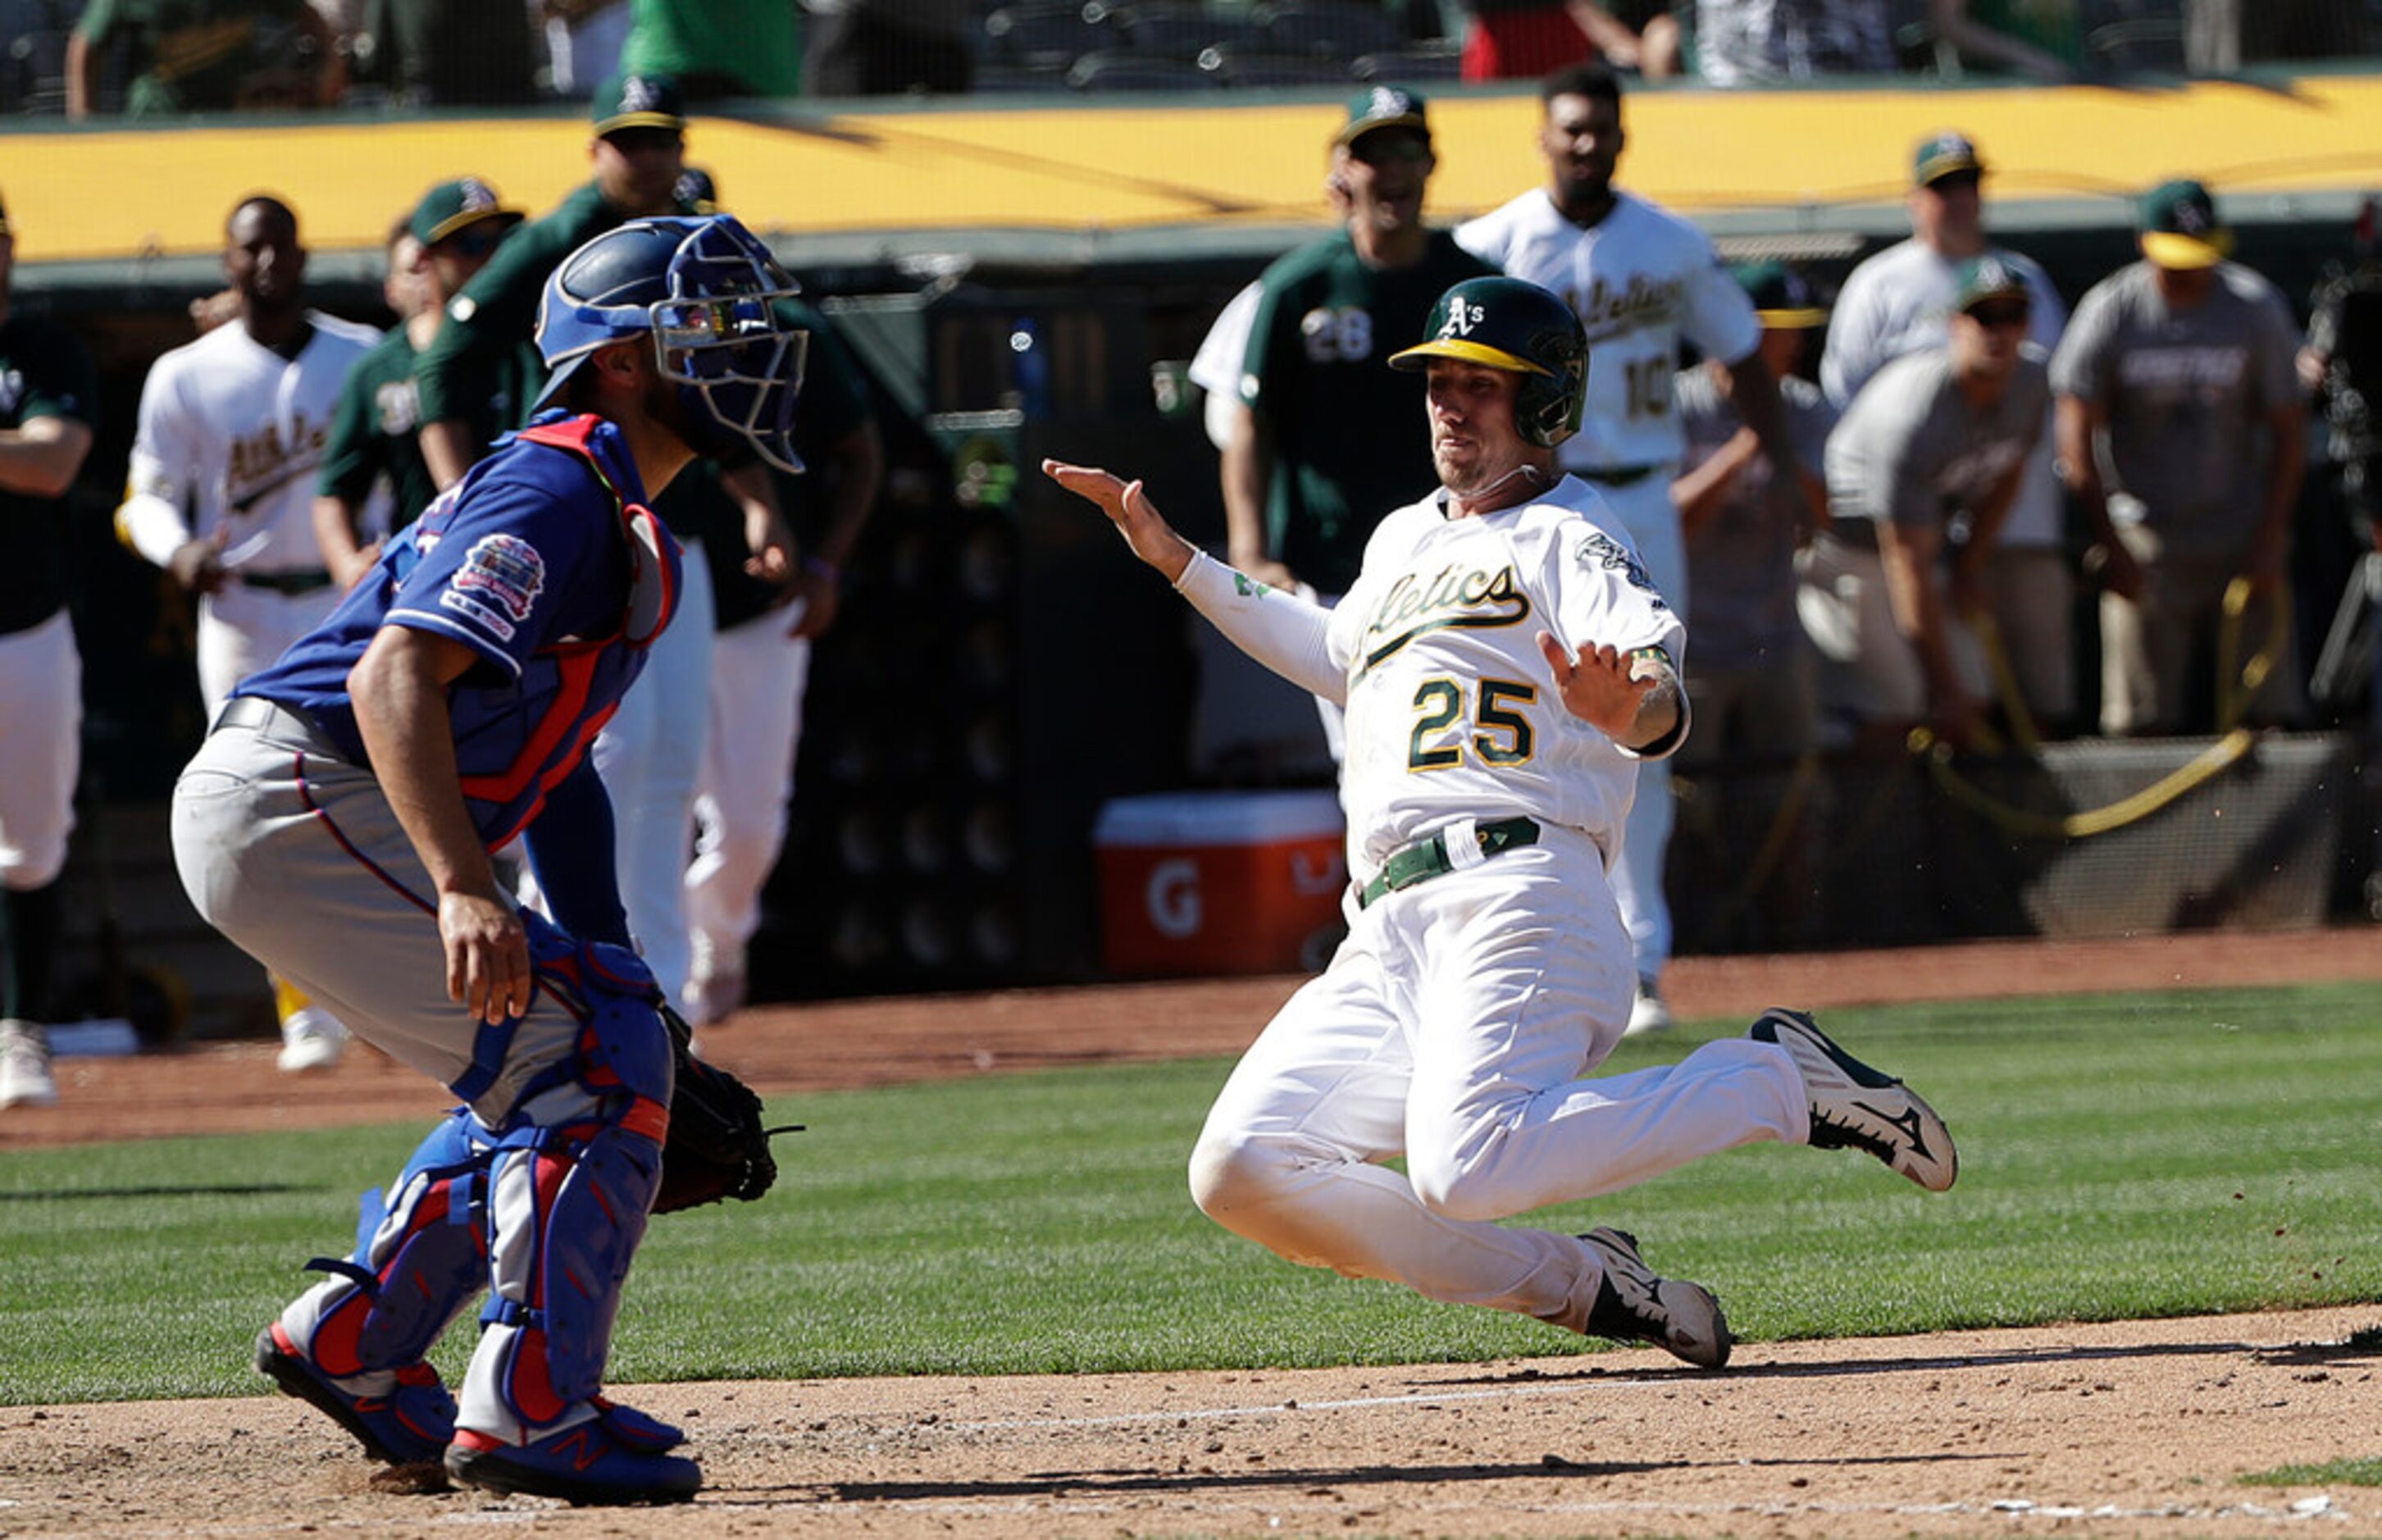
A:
618,1456
410,1426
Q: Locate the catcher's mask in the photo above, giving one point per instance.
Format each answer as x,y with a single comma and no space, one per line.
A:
703,290
1507,323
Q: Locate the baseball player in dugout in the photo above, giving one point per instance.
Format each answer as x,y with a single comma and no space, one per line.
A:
220,493
1305,473
1887,594
450,235
639,151
49,400
338,824
1506,665
1900,301
2181,430
1641,281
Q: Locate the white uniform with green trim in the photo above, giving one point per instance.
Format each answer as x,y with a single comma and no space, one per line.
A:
1455,1024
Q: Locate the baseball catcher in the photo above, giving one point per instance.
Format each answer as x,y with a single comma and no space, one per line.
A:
339,822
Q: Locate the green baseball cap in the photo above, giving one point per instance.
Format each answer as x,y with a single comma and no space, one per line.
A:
639,102
2180,230
456,206
1782,297
1384,107
1944,155
1990,276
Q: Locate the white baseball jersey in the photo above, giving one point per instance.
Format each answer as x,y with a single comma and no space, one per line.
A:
1642,281
230,436
1452,711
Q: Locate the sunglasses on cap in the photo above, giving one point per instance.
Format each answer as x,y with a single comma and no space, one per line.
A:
630,142
1384,146
2000,314
477,240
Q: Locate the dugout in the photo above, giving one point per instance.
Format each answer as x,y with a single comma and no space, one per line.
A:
1010,274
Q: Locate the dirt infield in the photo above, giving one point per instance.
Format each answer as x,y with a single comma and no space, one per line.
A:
2133,1428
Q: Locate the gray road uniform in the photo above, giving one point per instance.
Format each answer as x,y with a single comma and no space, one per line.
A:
2185,460
1897,302
1912,451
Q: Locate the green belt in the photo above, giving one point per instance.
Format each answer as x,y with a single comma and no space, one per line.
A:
1425,859
1618,475
289,585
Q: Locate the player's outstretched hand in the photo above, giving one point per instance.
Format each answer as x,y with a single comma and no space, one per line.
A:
1598,686
1128,507
488,956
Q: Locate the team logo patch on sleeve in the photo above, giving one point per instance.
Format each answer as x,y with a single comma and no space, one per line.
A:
1600,549
505,568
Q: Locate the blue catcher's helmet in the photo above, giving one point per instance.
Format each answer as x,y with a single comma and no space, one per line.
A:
704,291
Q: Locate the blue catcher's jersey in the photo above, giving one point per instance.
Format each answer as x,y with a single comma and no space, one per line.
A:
544,563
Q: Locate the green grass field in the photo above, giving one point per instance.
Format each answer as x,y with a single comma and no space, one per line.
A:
2123,1155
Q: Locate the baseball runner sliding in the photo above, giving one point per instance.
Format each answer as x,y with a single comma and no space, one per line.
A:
1506,665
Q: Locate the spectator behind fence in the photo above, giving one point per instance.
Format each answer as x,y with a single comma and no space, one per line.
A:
716,49
2042,40
449,237
888,47
1645,283
2342,365
2220,36
205,55
1899,301
1761,43
1307,474
2179,427
1940,432
49,404
1523,39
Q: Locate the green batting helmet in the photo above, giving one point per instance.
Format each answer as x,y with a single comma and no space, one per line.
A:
1506,323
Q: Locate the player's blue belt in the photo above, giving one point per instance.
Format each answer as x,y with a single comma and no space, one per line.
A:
1617,475
1425,859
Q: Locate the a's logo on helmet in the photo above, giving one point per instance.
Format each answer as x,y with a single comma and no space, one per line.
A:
1389,102
638,95
476,195
1462,317
2191,218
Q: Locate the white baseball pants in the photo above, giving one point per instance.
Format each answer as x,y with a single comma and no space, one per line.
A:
758,674
1455,1026
41,750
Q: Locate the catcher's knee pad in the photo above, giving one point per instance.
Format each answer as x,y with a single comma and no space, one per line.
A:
622,1044
568,1206
421,1256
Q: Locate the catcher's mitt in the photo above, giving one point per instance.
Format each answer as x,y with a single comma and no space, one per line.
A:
716,1148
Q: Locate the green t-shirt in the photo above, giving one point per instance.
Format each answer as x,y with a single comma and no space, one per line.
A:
376,430
835,401
1349,441
45,371
497,310
198,55
756,43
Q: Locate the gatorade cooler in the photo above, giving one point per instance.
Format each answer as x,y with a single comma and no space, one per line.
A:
1195,883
